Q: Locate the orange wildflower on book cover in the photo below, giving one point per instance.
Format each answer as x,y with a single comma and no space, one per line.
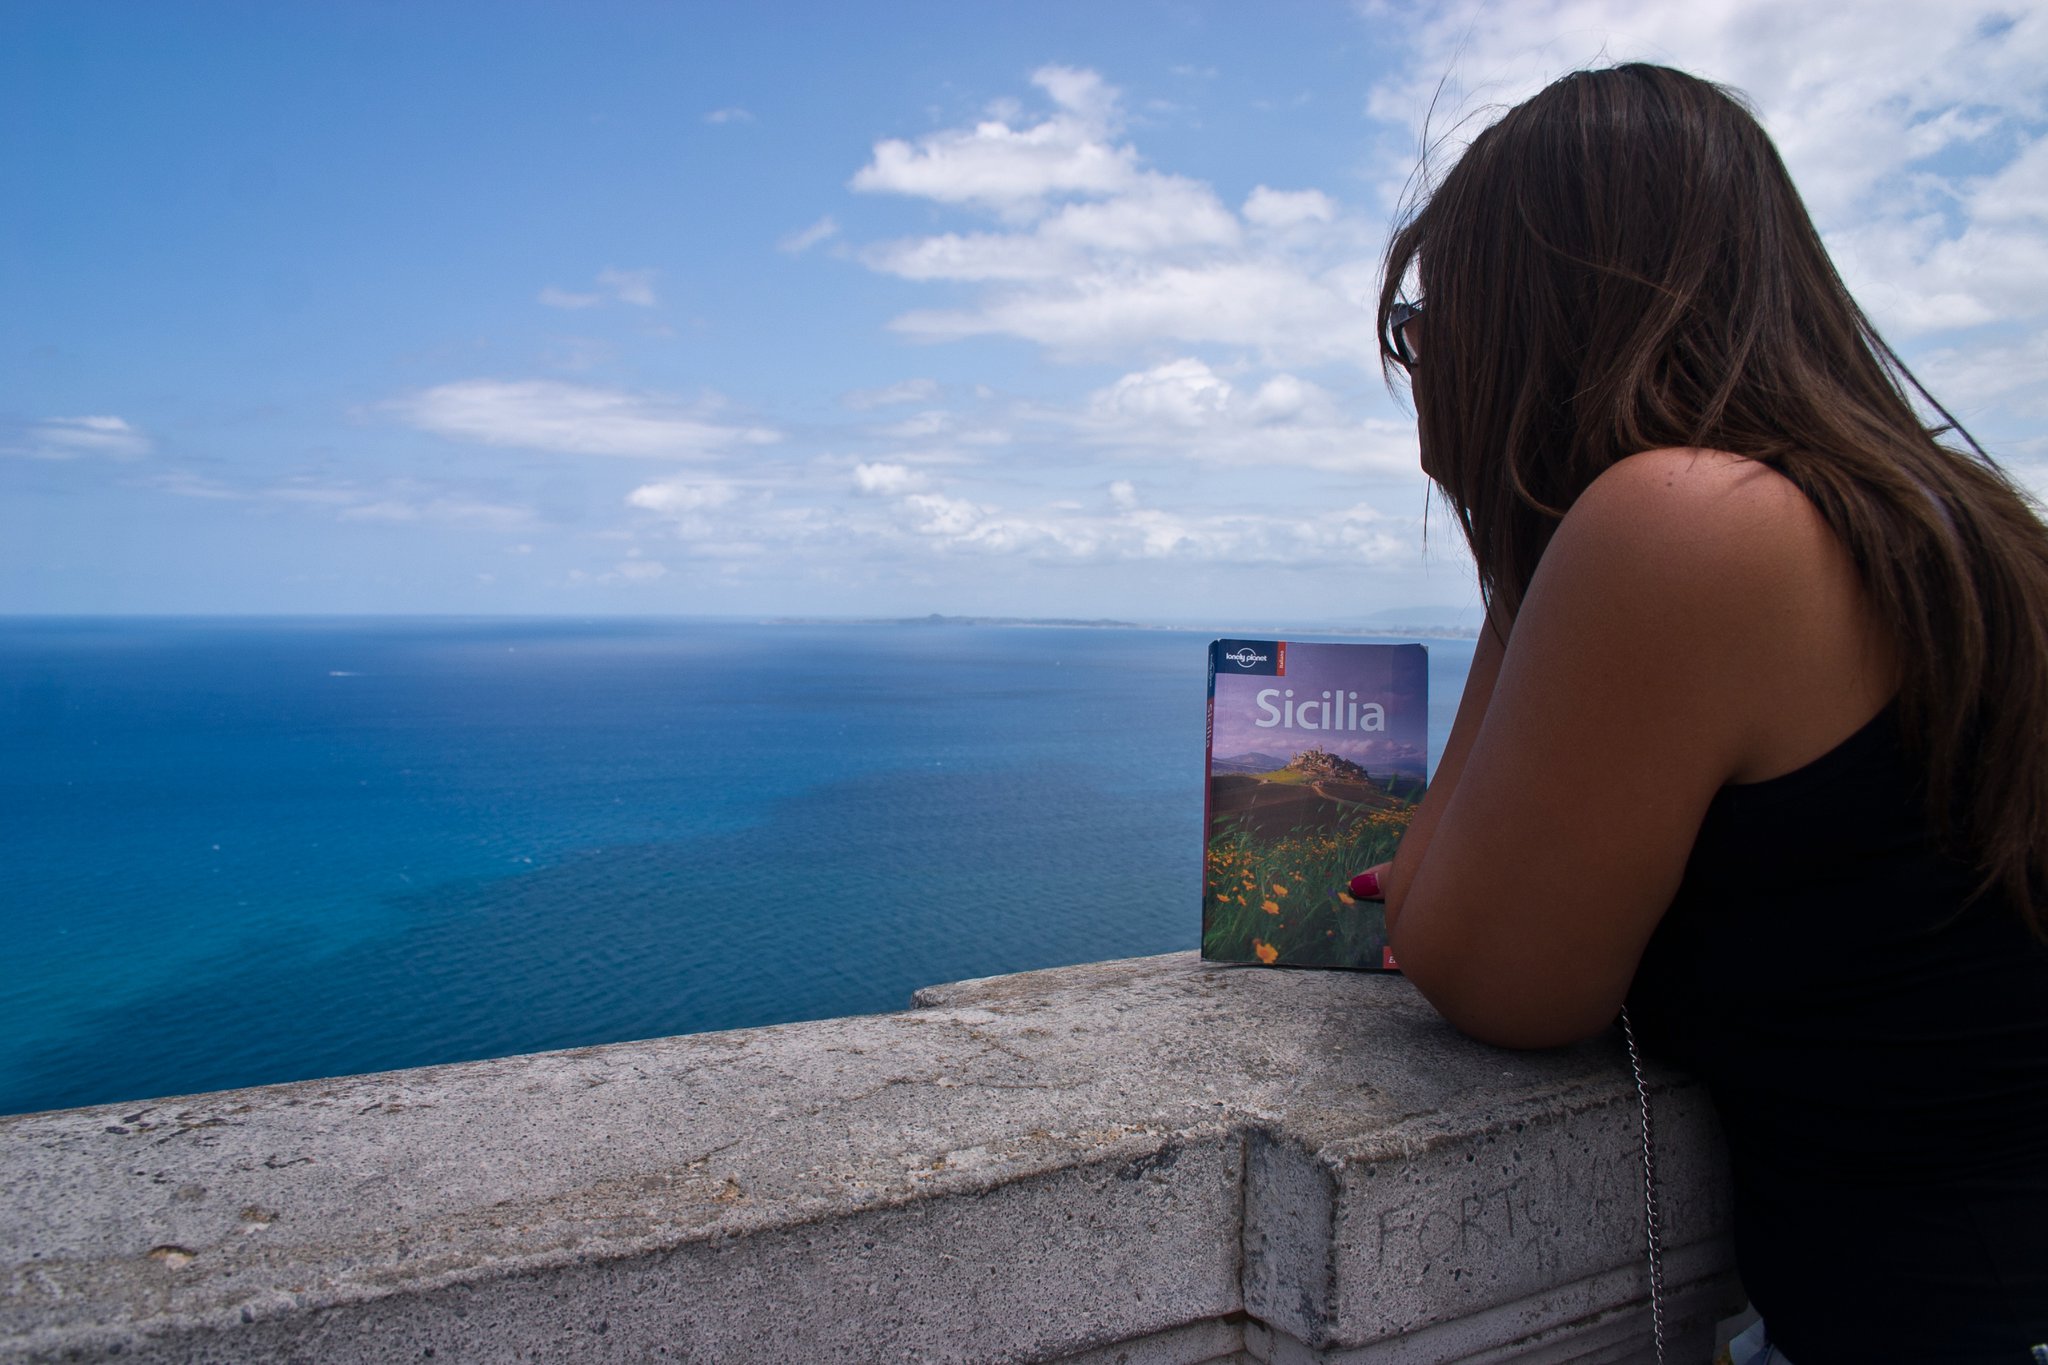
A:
1316,758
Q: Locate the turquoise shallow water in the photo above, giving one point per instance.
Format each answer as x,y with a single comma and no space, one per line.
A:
238,852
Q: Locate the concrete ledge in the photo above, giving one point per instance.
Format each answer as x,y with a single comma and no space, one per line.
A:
1154,1161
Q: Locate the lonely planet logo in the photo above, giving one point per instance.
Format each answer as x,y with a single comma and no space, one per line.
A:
1244,658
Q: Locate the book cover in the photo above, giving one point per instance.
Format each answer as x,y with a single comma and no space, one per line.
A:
1316,758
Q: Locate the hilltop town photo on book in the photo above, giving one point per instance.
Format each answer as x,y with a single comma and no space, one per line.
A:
1316,758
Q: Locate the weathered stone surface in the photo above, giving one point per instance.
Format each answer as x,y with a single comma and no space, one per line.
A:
1451,1226
1113,1161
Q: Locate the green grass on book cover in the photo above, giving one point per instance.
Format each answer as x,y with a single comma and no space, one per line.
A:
1316,758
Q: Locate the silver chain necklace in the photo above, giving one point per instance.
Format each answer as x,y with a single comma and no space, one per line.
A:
1653,1223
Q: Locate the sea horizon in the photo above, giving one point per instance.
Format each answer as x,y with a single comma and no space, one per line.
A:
1427,619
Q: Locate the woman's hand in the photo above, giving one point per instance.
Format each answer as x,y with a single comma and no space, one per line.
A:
1366,885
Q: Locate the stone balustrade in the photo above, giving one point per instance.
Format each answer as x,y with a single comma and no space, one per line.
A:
1148,1162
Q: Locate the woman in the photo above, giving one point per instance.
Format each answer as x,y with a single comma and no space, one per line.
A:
1757,740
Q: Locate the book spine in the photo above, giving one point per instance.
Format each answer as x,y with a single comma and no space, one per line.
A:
1208,774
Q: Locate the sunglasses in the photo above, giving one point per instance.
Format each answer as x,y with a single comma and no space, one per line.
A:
1401,325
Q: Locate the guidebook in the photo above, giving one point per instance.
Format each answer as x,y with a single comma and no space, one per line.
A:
1315,762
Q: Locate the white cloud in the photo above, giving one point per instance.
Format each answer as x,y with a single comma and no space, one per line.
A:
902,522
732,113
1097,255
1157,213
1913,279
579,354
441,510
318,495
631,572
922,426
70,438
909,391
1184,410
183,483
390,509
2007,373
977,256
613,286
629,286
395,501
674,497
884,479
954,518
940,425
797,242
1082,93
2017,193
1177,413
563,298
1278,308
1288,208
1355,536
1184,393
543,414
1002,167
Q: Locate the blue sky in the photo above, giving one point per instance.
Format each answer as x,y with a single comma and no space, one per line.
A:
1042,309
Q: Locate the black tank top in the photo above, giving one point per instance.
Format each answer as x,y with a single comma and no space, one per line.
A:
1878,1049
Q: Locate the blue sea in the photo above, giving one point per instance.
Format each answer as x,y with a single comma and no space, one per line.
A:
243,851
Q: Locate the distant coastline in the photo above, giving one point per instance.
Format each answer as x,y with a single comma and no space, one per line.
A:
1404,632
935,619
1417,632
1393,629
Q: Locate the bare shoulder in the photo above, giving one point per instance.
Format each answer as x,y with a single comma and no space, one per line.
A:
1704,517
1693,548
1722,568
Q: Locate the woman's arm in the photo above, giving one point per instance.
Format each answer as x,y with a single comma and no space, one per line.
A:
1479,680
1693,622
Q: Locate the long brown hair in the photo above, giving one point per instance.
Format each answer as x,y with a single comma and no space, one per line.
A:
1622,264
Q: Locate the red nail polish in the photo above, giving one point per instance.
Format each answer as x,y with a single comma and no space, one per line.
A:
1366,886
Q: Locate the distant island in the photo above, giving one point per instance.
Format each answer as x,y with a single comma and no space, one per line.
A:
935,619
1400,632
1437,631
